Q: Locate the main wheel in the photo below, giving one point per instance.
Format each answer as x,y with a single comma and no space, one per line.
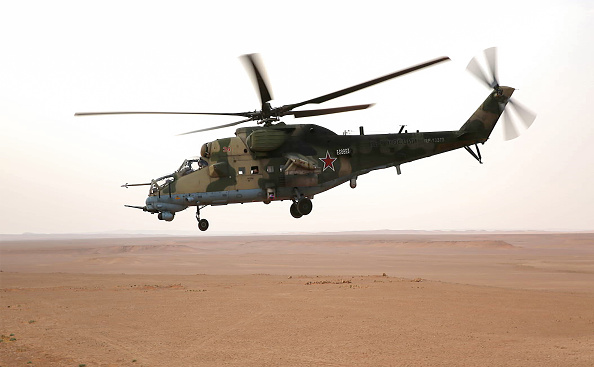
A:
294,212
203,224
304,206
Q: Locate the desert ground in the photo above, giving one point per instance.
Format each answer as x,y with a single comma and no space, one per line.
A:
335,299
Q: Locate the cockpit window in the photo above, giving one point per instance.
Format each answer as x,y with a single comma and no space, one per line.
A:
191,165
160,183
204,151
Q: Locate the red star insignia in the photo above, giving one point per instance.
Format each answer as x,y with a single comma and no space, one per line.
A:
328,161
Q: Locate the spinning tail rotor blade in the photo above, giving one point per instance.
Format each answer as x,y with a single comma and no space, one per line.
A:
491,57
509,130
509,125
475,69
526,116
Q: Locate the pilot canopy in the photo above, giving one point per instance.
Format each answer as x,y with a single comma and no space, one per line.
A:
191,165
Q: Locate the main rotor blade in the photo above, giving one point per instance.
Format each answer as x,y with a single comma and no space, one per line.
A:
245,114
491,56
327,111
524,113
258,77
357,87
217,127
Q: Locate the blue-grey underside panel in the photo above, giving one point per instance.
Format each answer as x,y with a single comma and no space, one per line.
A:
177,203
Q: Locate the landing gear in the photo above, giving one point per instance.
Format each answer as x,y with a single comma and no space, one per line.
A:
301,207
476,155
295,212
202,223
304,206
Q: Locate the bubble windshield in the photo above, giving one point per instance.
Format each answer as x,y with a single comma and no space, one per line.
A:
191,165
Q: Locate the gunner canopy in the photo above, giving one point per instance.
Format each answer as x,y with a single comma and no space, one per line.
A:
191,165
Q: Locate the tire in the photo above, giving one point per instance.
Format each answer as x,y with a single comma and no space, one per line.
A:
294,212
203,224
304,206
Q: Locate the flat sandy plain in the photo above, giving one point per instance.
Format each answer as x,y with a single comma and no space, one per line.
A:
341,299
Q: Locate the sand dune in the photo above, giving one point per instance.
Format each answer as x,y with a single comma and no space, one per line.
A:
357,299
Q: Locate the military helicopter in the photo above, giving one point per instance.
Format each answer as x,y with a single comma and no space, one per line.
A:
277,161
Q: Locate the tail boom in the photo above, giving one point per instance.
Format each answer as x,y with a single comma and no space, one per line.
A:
479,126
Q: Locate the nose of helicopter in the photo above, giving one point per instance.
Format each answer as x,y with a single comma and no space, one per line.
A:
150,203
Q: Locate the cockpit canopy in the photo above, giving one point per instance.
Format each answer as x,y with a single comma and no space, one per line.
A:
191,165
159,183
205,150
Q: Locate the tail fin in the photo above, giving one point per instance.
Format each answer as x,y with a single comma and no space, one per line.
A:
480,125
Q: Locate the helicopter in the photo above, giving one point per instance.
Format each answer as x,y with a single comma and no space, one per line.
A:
275,161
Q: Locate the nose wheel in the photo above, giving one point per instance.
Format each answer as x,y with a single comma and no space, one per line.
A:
202,223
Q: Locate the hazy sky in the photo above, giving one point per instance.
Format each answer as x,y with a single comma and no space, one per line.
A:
63,174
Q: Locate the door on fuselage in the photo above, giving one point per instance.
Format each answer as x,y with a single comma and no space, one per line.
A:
249,174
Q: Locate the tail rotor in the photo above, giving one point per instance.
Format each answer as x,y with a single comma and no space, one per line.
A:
491,80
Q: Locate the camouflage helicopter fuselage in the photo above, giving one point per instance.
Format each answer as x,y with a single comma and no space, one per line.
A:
296,162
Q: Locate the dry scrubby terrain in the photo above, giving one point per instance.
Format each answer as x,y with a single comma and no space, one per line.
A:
314,300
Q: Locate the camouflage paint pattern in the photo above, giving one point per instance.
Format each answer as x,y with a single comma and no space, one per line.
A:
293,161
